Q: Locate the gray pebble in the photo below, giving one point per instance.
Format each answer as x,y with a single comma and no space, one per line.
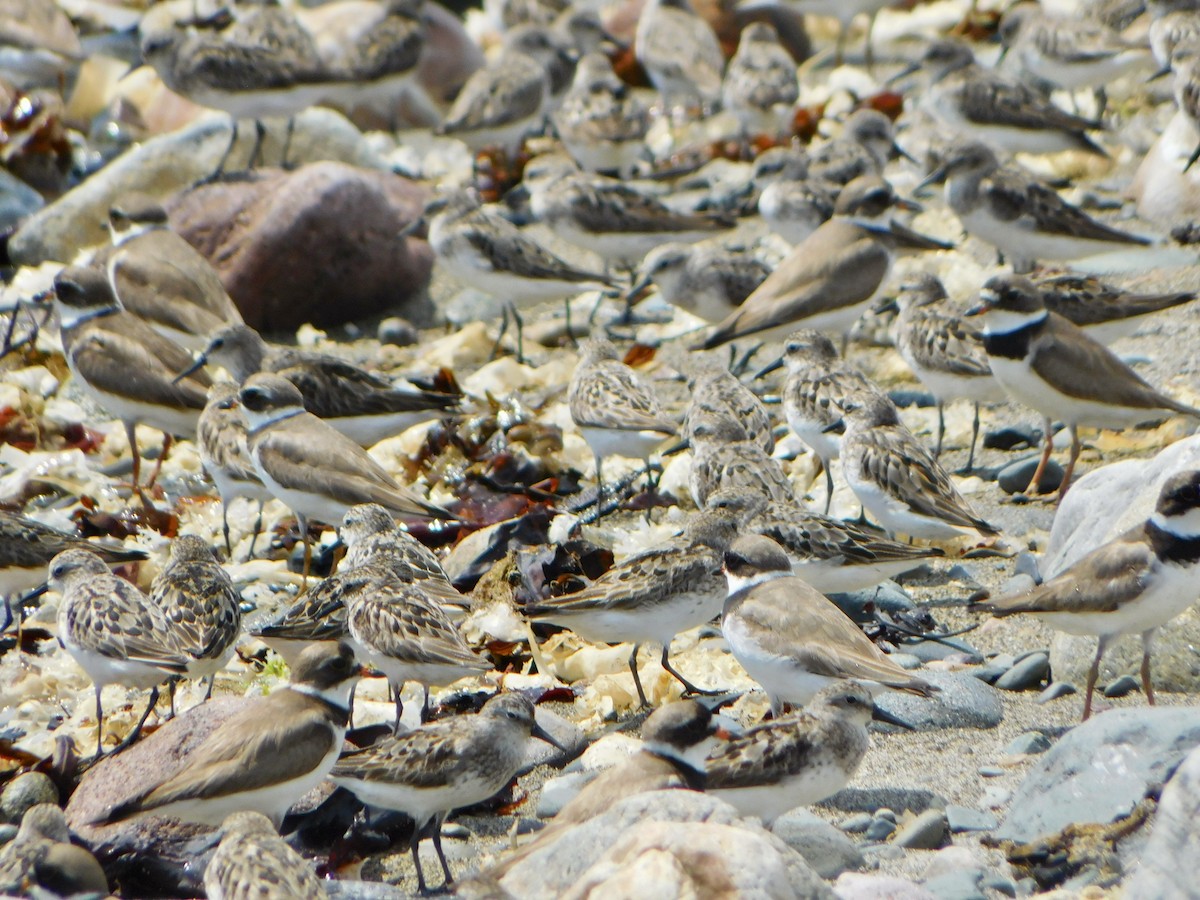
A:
23,792
959,572
880,830
877,853
906,397
1027,673
1027,564
928,831
1014,477
857,823
397,331
1126,684
963,818
1056,690
962,702
887,597
456,831
991,771
927,651
990,673
1029,742
961,885
827,850
7,833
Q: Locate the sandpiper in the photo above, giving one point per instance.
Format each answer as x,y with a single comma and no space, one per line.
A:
863,148
794,208
1185,65
264,757
655,595
1047,363
253,860
362,405
443,766
798,759
680,53
845,13
943,352
706,280
716,392
830,278
1025,220
113,631
760,86
41,861
724,457
601,122
791,639
1136,582
126,366
159,276
1107,312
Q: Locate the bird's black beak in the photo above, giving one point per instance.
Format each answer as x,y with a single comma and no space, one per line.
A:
676,448
914,240
937,176
839,426
1161,73
543,735
903,73
767,370
881,715
198,363
887,305
899,152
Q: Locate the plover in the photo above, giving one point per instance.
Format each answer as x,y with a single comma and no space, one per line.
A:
760,86
653,596
600,121
225,455
831,555
252,860
718,393
943,352
202,608
311,467
159,276
614,409
123,364
845,13
863,148
897,479
264,757
680,53
443,766
797,759
818,383
724,457
830,278
41,861
1025,220
113,631
1136,582
791,639
706,280
362,405
981,104
403,632
1107,312
1051,365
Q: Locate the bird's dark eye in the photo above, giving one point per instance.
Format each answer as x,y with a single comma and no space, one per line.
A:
58,572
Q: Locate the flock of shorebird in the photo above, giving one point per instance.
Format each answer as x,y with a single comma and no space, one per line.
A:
145,321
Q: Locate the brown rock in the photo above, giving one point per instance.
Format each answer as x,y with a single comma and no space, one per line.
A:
322,244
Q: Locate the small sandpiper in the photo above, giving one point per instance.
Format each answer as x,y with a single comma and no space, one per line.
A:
717,392
41,861
724,457
601,122
1105,311
760,86
680,53
707,280
863,148
252,860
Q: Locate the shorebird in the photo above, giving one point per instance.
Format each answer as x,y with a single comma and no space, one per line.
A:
1025,220
797,759
252,860
832,277
863,148
791,203
126,366
41,861
362,405
791,639
897,479
706,280
943,352
760,86
655,595
115,633
717,393
1106,312
430,771
1051,365
601,122
845,13
1185,65
1136,582
680,53
264,757
724,457
159,276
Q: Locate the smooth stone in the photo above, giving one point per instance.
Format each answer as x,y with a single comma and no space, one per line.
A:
1016,586
990,771
173,162
962,702
963,818
1100,770
989,673
880,830
1026,674
1014,478
857,824
995,797
1011,437
1028,743
18,201
7,833
871,800
929,651
951,859
397,331
906,660
1027,564
1122,686
928,831
557,792
1174,838
824,847
663,835
1056,690
961,885
885,813
23,792
322,244
857,886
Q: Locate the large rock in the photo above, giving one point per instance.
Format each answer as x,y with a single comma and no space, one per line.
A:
171,162
322,244
738,853
1099,771
1175,838
1100,506
824,847
962,702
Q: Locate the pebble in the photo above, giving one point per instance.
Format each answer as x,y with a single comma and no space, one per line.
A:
885,813
1012,437
857,823
1027,564
18,201
1028,673
397,332
928,651
826,849
880,829
1122,686
990,771
888,597
962,702
928,831
907,661
1056,690
1029,742
23,792
963,818
558,791
961,885
7,833
1014,478
1017,585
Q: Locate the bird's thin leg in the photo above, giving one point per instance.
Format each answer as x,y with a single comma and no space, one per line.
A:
437,845
162,455
257,528
425,705
130,433
1076,446
1147,686
220,169
502,332
870,53
99,725
399,706
974,439
637,681
208,693
520,324
137,729
1047,449
1093,674
287,142
688,687
225,530
599,486
415,846
302,524
941,408
172,684
260,132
